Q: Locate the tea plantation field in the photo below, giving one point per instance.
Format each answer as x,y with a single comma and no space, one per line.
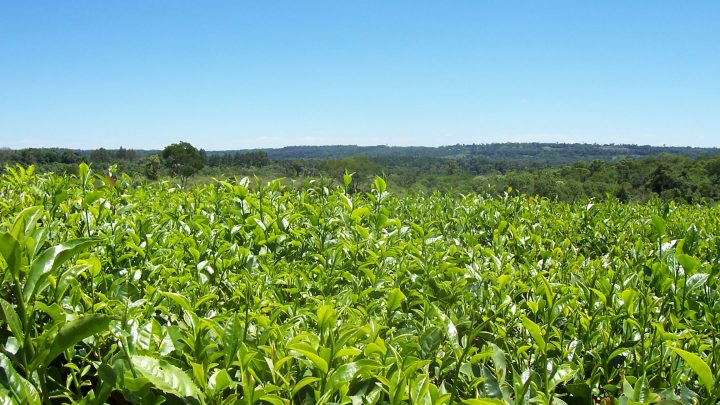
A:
119,291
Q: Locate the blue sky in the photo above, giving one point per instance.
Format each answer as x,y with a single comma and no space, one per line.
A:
242,74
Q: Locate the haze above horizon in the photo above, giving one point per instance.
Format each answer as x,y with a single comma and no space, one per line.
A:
237,75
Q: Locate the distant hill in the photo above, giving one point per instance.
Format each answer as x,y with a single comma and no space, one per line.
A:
536,154
545,154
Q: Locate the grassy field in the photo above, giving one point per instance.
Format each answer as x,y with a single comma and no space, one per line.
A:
115,290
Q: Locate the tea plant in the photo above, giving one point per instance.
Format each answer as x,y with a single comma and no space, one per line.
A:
114,290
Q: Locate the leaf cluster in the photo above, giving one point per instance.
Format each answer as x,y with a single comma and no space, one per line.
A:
251,292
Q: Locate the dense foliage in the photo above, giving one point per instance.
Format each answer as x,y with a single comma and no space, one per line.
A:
237,292
541,154
560,171
566,172
554,154
182,160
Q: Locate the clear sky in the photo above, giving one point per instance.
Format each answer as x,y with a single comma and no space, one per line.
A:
244,74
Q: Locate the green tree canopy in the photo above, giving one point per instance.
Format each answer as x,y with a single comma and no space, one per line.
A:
182,160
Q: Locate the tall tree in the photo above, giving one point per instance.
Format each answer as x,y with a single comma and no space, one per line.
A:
182,160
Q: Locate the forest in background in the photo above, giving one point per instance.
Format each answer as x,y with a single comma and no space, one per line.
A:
565,172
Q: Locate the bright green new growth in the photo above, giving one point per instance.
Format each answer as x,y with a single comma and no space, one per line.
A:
271,294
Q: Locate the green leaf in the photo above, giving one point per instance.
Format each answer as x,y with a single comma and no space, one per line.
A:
347,352
83,172
600,295
499,361
178,299
696,281
92,196
439,395
580,390
260,223
641,391
108,381
698,366
21,388
395,299
310,354
360,212
231,337
378,347
71,333
535,332
219,380
49,261
11,318
273,399
380,185
10,251
347,178
302,383
450,329
628,389
688,262
166,377
140,386
326,317
54,311
490,384
430,339
549,294
25,222
66,278
419,390
562,373
345,373
658,225
484,401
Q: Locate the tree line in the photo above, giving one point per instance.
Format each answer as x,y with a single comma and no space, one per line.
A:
667,176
